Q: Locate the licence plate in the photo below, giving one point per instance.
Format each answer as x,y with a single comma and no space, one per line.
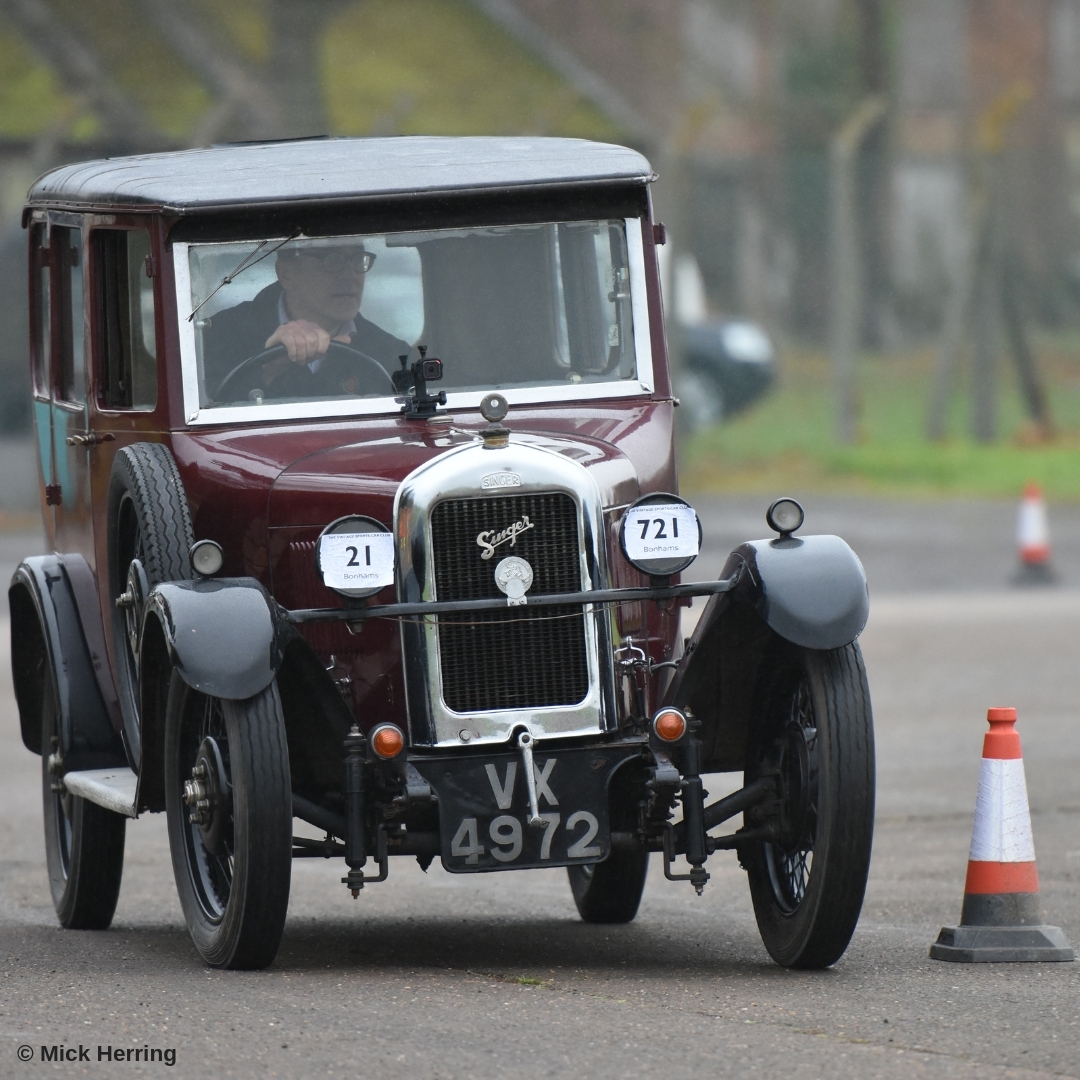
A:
484,808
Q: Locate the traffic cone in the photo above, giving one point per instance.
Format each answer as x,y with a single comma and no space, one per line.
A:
1001,919
1033,539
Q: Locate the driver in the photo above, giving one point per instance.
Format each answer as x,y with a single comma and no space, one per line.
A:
315,300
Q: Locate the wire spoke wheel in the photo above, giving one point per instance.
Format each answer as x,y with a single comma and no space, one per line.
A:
84,843
789,873
789,863
228,798
207,796
816,739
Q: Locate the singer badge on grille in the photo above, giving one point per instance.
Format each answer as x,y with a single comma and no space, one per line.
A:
514,576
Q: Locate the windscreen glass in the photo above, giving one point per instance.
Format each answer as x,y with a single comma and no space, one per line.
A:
296,319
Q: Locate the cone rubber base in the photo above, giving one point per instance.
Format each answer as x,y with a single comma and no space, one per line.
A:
1001,944
1034,574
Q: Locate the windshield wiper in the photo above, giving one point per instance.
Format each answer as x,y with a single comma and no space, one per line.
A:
246,263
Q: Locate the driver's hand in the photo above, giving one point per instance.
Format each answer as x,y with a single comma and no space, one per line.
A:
304,341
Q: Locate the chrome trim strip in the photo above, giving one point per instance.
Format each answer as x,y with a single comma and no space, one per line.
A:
639,304
463,399
458,474
189,370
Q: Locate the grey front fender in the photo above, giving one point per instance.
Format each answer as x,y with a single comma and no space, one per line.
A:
807,592
810,589
226,638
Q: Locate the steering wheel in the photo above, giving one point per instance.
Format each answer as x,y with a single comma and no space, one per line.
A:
344,370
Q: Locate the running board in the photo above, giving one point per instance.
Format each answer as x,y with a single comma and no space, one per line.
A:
115,789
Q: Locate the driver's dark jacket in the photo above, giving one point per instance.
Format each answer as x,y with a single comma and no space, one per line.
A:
239,332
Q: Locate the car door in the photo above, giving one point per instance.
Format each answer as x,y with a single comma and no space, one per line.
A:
126,407
71,444
41,370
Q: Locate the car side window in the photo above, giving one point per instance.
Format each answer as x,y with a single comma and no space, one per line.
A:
126,325
66,247
41,316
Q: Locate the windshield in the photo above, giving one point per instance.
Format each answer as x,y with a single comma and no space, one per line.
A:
502,307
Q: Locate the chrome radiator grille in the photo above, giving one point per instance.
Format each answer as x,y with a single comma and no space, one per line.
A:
509,659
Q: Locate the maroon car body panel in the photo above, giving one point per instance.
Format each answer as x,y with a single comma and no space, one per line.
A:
264,491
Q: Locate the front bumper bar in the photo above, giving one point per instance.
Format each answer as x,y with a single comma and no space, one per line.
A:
450,607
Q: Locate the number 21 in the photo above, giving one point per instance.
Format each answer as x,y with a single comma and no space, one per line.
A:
353,552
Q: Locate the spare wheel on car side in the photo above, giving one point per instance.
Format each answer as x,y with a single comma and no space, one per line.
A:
150,538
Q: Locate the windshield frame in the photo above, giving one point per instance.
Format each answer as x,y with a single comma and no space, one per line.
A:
197,416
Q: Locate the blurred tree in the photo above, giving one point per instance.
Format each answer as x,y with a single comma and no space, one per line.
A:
443,67
1012,152
827,78
152,73
244,106
872,18
82,79
82,71
281,97
297,32
821,89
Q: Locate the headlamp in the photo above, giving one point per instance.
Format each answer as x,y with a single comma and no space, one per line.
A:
660,534
206,558
355,556
785,516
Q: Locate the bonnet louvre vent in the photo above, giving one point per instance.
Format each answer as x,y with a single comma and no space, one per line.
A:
509,659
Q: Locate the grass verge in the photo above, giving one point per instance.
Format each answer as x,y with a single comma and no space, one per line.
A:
786,442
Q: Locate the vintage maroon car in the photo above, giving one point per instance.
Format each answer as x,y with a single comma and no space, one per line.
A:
289,580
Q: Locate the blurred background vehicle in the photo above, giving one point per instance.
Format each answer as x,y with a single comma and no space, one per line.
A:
720,365
726,366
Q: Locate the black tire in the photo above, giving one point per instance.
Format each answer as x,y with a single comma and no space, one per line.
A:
84,843
610,891
808,889
149,522
232,869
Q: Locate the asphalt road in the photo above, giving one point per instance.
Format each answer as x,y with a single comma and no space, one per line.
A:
906,546
494,976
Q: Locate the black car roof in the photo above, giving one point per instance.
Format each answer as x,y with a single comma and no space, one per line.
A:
317,170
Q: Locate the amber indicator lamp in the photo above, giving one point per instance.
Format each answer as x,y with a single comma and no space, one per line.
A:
669,725
387,740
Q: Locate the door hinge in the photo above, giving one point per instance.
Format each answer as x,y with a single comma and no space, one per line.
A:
151,265
52,494
659,233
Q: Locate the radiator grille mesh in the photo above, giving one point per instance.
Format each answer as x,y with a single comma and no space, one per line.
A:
509,659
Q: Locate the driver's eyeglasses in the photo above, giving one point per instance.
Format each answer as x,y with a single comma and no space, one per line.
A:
333,262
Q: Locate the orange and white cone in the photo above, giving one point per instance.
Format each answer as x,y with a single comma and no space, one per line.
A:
1033,538
1001,920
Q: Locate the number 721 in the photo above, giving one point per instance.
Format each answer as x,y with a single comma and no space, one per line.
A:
659,523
